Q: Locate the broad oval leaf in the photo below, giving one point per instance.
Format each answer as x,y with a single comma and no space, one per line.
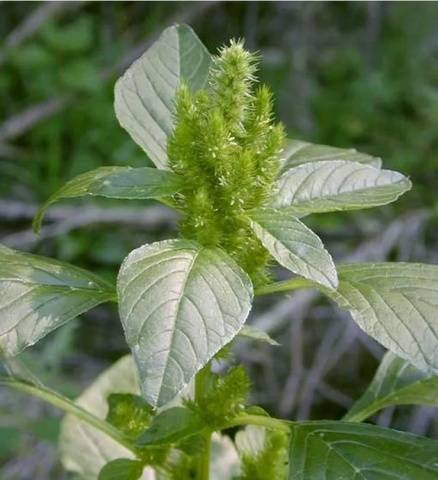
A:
179,304
144,95
297,152
114,182
40,294
396,382
328,186
294,246
121,469
338,450
85,450
396,304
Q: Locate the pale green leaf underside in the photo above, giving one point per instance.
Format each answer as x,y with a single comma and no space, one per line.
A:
85,450
39,294
297,152
179,304
396,382
251,440
341,450
396,304
145,94
294,246
224,460
328,186
114,182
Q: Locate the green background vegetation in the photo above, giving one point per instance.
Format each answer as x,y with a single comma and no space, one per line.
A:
362,75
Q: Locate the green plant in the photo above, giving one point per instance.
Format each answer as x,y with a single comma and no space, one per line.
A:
241,190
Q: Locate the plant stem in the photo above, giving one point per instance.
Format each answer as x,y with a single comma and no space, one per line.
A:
63,403
204,461
284,286
261,421
204,458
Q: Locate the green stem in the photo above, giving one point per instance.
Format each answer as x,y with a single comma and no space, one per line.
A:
285,286
261,421
63,403
204,461
204,458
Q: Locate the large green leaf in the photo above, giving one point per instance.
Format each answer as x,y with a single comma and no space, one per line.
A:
328,186
396,304
171,426
114,182
341,450
297,152
85,450
39,294
396,382
179,304
145,94
294,246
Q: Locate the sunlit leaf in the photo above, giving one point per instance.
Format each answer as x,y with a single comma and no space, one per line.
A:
179,304
114,182
328,186
294,246
144,96
121,469
297,152
396,304
40,294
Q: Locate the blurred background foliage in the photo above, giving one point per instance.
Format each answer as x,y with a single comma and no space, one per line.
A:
349,74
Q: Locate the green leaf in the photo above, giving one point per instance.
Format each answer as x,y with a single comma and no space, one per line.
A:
396,382
114,182
130,413
294,246
328,186
254,333
121,469
85,450
171,426
179,304
341,450
40,294
396,304
297,152
144,95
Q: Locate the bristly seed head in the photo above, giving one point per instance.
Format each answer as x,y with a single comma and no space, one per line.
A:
227,147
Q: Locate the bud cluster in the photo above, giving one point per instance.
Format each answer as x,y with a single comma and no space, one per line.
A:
226,145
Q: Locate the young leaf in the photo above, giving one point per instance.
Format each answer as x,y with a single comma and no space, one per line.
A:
171,426
297,152
40,294
328,186
114,182
145,94
179,304
85,450
294,246
121,469
395,303
335,450
130,413
396,382
254,333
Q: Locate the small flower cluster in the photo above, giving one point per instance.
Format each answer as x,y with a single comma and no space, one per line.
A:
226,145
